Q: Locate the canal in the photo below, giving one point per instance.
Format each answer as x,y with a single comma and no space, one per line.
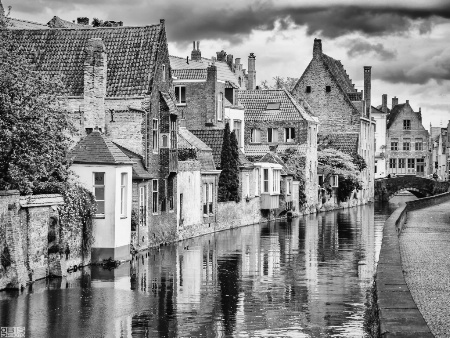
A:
302,278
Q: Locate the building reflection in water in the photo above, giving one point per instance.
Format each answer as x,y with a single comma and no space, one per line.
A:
306,277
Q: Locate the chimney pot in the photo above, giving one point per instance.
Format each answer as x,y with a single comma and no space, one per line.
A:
198,45
407,101
196,54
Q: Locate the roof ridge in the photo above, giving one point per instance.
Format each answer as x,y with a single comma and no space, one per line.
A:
28,21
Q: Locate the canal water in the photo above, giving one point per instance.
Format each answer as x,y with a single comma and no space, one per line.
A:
302,278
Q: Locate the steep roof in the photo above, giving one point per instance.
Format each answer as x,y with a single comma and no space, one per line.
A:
139,171
214,139
255,104
340,74
13,23
187,140
96,148
272,157
196,70
377,110
394,113
57,22
131,55
347,143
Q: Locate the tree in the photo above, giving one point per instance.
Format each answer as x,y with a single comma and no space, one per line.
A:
35,128
229,162
296,164
280,83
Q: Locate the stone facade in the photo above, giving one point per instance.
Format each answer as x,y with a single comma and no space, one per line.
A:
407,142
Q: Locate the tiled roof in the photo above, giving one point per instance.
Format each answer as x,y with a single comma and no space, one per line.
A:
95,148
255,103
187,140
243,160
256,150
394,113
214,139
190,74
139,171
224,73
377,110
347,143
13,23
272,157
57,22
170,101
337,69
130,53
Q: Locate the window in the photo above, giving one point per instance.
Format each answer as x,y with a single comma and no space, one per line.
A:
123,194
320,180
155,133
220,107
164,195
163,72
308,89
334,181
420,165
276,181
170,192
142,209
256,135
99,192
237,125
328,89
210,197
155,196
410,163
180,95
392,163
173,132
272,135
229,95
406,144
376,165
288,187
273,106
205,199
256,181
401,163
165,141
419,144
394,145
406,124
266,180
289,135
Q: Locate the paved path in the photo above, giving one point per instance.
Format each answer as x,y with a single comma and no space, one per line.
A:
425,251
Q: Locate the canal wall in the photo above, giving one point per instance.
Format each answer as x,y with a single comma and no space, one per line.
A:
33,245
398,313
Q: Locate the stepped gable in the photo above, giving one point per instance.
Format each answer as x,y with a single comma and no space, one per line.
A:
393,114
347,143
255,104
57,22
139,171
196,70
339,73
95,148
131,55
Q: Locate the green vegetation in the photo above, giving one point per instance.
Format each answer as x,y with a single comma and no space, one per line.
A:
280,83
229,162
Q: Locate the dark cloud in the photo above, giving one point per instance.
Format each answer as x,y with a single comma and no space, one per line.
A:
359,47
435,68
233,21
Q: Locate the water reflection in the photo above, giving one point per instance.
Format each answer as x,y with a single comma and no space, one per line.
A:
305,278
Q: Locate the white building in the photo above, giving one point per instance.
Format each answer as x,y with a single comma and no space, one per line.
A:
380,115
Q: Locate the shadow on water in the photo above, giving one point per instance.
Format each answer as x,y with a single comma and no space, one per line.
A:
305,278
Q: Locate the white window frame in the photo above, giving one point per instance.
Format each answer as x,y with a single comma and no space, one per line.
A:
220,106
256,173
123,194
178,91
163,72
155,136
288,135
205,199
272,135
247,183
155,197
255,135
99,186
334,181
265,181
210,198
142,203
237,128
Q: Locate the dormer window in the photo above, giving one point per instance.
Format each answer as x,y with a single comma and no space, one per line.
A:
308,89
328,89
273,106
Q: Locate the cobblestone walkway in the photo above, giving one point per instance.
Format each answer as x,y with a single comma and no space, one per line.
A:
425,251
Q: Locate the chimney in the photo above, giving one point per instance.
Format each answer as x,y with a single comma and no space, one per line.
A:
394,102
230,61
368,89
384,103
251,72
196,54
407,102
209,116
83,21
222,56
317,49
237,64
95,67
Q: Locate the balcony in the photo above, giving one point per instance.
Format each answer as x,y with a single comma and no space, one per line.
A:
270,201
173,161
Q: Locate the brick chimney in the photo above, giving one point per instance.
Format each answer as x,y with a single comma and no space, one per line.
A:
251,72
196,54
384,103
230,61
222,56
394,102
368,89
317,49
209,116
95,67
237,64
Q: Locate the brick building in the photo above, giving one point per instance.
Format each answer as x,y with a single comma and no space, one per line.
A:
343,111
119,81
274,119
407,141
439,153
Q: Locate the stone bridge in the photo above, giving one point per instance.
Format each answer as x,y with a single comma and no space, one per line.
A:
385,188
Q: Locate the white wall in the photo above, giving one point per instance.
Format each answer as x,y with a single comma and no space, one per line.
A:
110,231
380,140
236,114
189,184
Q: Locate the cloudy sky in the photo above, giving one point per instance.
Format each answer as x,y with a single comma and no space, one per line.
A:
407,42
